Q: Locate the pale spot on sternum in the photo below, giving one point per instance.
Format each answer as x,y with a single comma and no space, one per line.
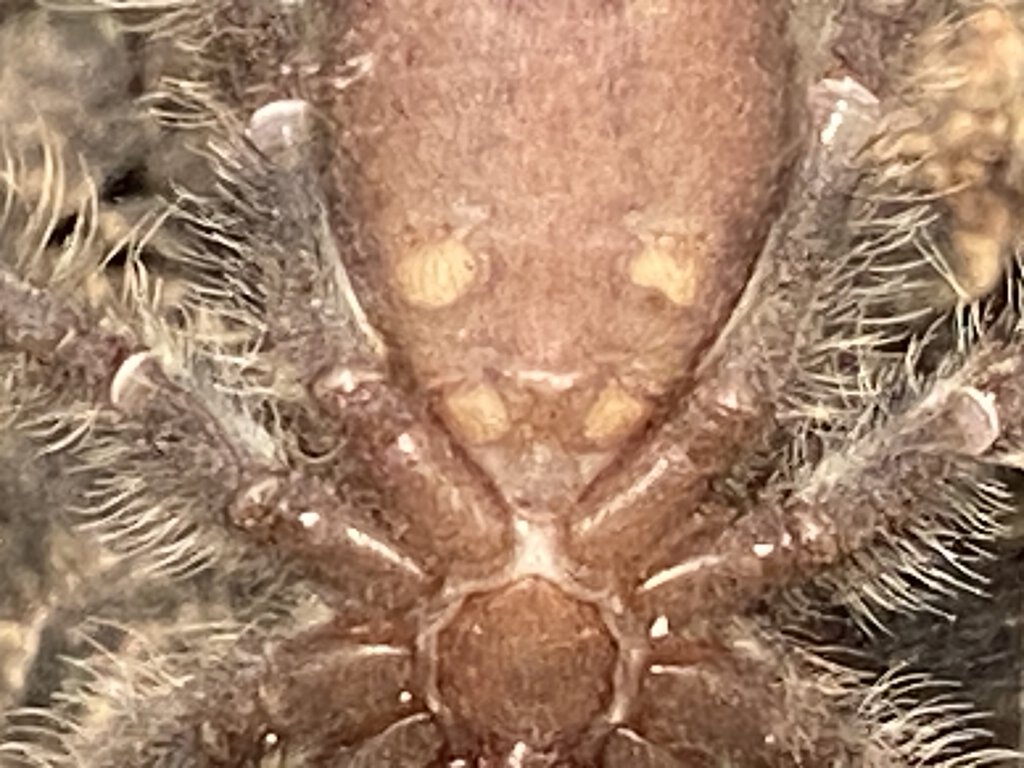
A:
478,413
660,267
437,274
557,382
613,414
537,551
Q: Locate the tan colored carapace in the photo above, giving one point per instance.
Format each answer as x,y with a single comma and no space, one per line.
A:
562,202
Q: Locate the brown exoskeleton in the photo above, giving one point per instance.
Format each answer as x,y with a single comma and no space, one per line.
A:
491,383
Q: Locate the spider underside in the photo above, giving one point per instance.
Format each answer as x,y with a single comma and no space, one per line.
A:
366,403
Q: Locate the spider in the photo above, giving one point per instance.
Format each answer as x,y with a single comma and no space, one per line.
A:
597,383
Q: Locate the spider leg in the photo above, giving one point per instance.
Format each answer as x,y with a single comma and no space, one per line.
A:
414,460
921,469
166,459
138,417
268,255
800,708
128,417
318,697
175,440
926,478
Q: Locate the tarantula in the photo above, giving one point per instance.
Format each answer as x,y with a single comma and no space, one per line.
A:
595,383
